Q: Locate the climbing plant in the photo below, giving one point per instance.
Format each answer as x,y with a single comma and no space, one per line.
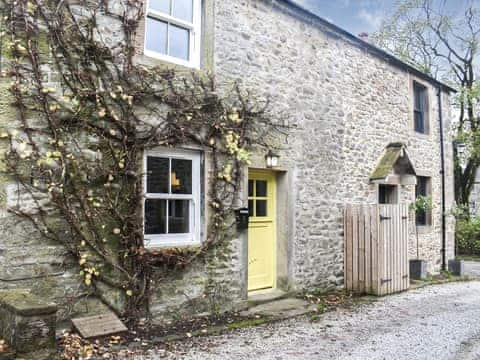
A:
85,114
420,206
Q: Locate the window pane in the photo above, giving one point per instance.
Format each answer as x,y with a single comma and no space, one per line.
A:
155,216
421,217
157,175
387,194
250,187
261,188
181,176
183,9
179,42
178,216
160,5
156,38
250,208
419,124
261,208
422,189
382,195
422,186
417,98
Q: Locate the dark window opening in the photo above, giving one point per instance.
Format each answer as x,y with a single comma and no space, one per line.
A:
420,108
422,217
387,194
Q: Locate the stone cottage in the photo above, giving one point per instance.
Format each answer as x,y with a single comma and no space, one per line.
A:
348,104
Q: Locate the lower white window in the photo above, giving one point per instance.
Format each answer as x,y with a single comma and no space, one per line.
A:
172,198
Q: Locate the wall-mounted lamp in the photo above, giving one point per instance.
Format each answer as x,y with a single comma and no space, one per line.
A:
460,146
271,159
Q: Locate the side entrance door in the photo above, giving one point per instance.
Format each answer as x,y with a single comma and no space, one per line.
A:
261,232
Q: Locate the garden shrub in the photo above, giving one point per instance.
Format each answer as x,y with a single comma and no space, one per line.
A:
468,236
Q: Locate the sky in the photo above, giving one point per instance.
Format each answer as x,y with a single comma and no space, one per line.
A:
355,16
358,16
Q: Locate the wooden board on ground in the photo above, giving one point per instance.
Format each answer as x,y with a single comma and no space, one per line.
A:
99,325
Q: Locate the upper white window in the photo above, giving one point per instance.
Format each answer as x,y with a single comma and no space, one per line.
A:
172,31
172,198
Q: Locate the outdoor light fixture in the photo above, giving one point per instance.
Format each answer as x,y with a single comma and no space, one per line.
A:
460,147
271,159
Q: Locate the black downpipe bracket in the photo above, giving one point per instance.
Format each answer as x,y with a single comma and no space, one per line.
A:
442,171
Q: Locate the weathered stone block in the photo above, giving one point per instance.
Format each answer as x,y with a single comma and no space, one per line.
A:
27,323
418,269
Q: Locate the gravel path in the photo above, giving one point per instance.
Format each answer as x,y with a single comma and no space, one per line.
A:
435,322
472,268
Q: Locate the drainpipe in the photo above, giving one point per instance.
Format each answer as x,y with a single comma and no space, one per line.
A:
442,172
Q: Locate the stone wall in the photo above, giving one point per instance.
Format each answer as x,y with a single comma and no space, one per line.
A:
344,105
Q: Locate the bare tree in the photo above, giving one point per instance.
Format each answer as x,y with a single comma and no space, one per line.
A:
444,44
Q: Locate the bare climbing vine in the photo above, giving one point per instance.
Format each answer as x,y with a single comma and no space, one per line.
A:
85,114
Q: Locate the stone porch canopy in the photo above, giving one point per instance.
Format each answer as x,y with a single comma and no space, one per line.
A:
394,167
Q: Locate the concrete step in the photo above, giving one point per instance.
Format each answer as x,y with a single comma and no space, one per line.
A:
265,296
280,308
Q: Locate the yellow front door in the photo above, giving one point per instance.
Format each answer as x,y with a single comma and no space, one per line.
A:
261,230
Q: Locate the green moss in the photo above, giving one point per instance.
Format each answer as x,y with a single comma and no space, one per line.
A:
247,323
45,288
26,303
387,163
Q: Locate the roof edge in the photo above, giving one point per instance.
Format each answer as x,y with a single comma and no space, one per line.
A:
384,55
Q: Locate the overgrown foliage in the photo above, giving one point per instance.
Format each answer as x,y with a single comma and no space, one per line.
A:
467,236
467,232
86,112
421,206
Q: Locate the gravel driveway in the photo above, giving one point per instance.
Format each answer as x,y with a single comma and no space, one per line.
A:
472,268
435,322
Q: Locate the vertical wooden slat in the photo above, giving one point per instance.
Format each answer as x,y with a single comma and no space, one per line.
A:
382,253
405,235
402,246
361,250
384,245
355,248
393,254
368,251
388,245
348,248
374,231
394,248
345,246
398,278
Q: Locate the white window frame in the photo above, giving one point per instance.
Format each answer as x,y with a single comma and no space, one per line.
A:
194,30
171,240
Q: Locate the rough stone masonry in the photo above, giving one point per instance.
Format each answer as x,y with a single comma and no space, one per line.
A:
345,104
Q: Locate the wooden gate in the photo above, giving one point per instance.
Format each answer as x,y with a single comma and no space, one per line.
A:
376,248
